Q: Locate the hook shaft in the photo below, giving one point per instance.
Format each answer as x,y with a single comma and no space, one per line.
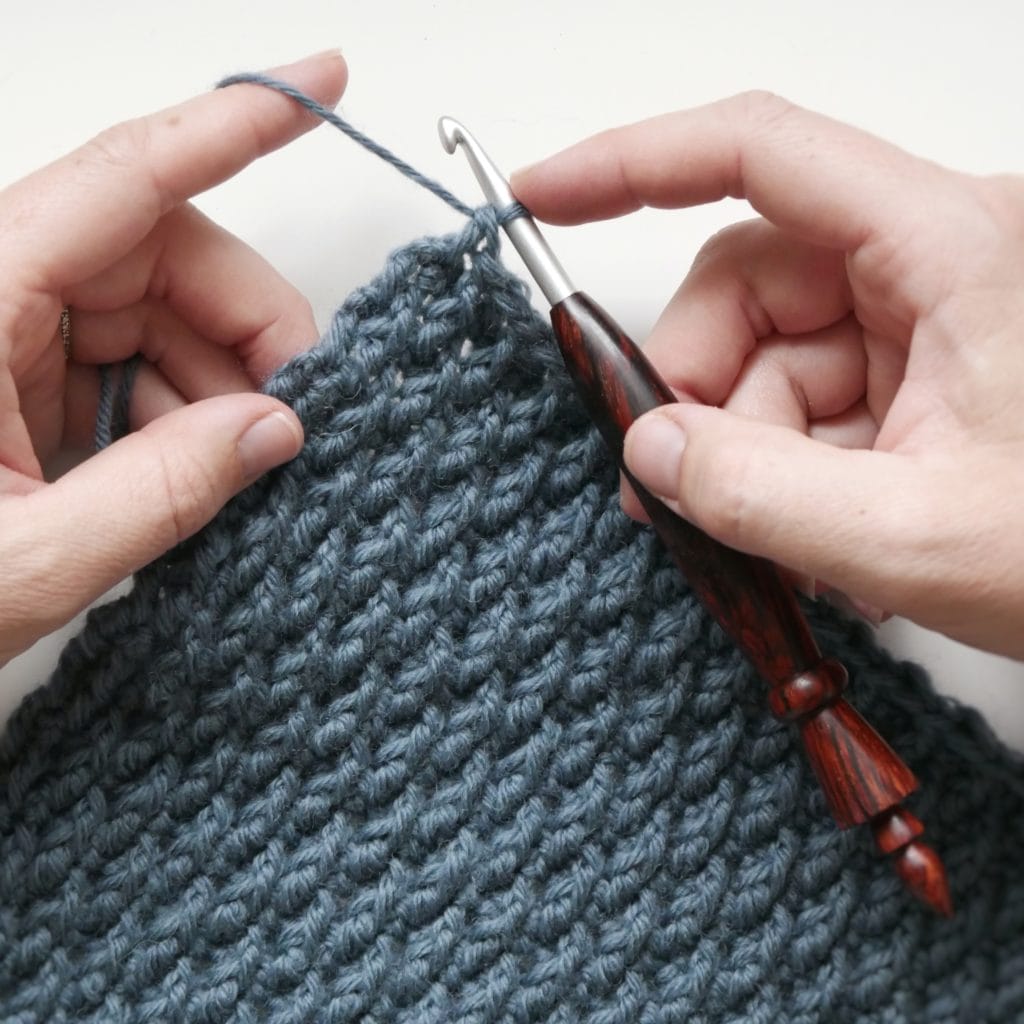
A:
540,261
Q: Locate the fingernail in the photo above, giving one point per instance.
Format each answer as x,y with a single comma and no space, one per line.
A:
331,53
521,172
267,443
869,612
283,69
654,449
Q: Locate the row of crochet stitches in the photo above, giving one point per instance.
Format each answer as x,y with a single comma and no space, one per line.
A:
421,728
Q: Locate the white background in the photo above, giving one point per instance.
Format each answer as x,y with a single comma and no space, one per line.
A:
943,80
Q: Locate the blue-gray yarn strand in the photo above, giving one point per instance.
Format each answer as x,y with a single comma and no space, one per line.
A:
325,114
112,412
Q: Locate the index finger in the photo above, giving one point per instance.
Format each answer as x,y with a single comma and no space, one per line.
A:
822,180
70,219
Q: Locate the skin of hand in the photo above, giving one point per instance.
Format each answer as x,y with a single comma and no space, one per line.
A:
108,231
849,365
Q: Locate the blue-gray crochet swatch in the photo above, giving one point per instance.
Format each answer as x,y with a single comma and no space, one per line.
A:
422,729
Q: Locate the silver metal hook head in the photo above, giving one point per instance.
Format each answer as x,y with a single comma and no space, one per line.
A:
522,231
492,181
451,132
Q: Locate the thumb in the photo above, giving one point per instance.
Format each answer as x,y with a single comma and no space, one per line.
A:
851,518
136,499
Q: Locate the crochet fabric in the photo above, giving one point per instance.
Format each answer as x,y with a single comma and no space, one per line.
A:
422,728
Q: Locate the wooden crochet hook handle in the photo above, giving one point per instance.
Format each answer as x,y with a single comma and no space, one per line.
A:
863,778
861,775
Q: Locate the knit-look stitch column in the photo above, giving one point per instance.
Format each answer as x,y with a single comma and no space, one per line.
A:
422,729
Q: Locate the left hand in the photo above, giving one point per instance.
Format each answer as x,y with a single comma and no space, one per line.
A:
108,231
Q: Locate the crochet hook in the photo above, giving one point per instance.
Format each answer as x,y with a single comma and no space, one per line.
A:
864,780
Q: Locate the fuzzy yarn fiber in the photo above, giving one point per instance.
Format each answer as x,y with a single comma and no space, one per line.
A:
422,729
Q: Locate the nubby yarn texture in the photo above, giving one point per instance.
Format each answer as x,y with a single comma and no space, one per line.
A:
422,729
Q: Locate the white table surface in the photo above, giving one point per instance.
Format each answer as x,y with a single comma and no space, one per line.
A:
941,79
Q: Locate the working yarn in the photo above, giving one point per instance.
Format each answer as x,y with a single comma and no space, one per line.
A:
422,729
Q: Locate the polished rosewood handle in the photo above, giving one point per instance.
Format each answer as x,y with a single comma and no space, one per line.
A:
863,778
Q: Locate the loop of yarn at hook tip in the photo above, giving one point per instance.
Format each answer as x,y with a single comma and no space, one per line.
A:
385,154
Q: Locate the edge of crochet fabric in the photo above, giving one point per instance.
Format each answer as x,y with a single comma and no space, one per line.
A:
421,728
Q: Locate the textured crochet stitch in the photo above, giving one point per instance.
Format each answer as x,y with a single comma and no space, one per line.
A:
422,729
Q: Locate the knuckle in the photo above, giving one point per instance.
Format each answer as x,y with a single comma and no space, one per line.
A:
762,107
191,492
303,308
127,149
718,492
36,598
121,146
722,246
1005,189
1002,198
306,307
750,114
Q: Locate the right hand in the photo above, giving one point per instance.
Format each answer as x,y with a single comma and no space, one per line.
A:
851,363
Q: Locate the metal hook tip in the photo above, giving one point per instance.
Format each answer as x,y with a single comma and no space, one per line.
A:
539,259
451,132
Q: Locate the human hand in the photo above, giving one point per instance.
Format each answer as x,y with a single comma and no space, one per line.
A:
108,231
850,364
